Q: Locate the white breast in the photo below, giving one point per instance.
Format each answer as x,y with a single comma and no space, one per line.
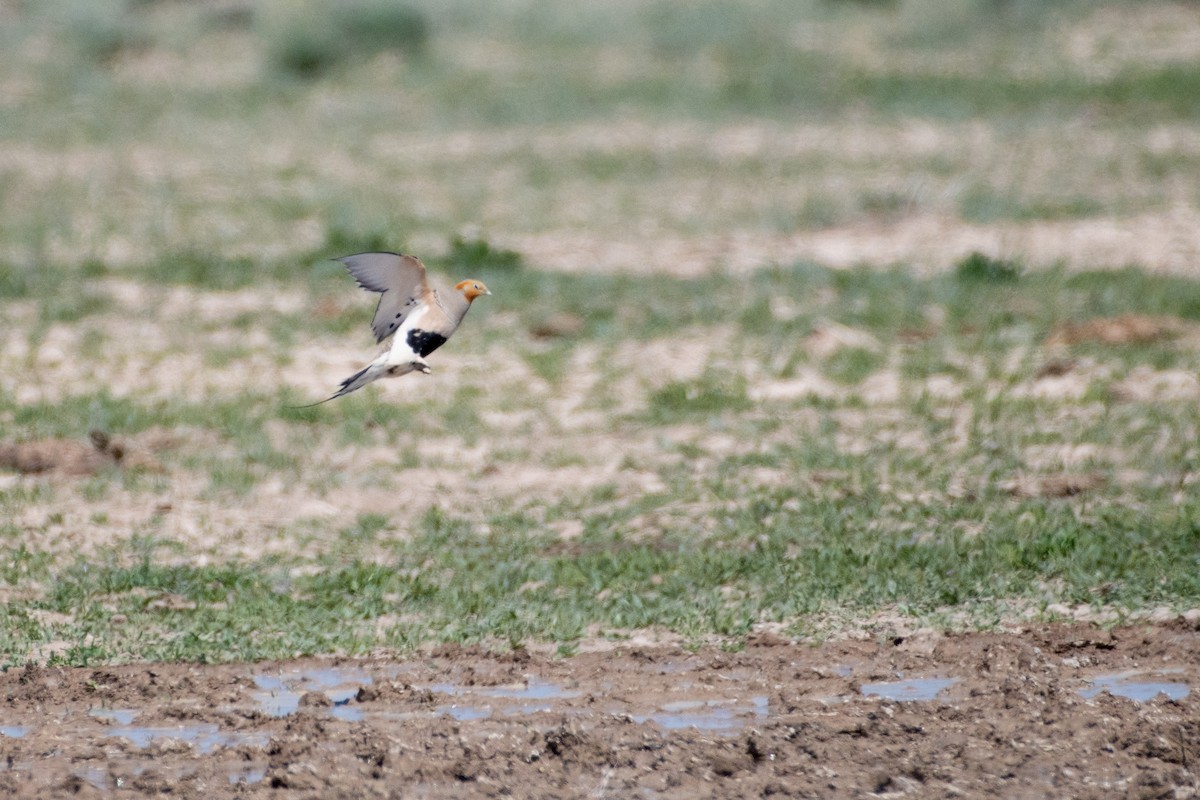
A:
401,352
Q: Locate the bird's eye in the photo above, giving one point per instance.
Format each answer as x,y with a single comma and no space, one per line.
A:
477,286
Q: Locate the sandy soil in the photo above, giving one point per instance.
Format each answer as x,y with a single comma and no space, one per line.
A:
1046,711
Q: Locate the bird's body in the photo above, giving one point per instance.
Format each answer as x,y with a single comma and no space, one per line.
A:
418,318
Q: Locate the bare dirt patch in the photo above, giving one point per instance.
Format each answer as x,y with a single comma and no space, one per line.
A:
1044,711
1062,484
1125,329
1163,241
70,457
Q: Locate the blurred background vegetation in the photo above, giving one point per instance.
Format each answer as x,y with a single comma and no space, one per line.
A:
131,130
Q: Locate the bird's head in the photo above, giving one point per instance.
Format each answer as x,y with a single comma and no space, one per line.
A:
471,289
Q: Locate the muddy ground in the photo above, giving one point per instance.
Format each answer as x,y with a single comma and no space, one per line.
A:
1047,711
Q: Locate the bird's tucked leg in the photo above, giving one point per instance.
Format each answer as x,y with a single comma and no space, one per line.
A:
407,367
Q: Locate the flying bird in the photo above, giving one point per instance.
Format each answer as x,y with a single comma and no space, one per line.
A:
418,318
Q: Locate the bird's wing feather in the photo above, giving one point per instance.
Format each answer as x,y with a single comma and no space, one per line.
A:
401,282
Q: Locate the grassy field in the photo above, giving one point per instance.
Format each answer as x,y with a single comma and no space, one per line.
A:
816,317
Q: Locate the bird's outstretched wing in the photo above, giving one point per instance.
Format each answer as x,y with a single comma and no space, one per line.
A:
399,279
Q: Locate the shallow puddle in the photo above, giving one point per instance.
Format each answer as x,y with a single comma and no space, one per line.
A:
279,695
909,690
1135,686
711,715
706,715
13,731
346,712
96,776
121,716
251,774
533,689
325,678
276,700
464,713
204,737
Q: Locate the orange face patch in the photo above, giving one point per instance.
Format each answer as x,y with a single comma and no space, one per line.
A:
471,289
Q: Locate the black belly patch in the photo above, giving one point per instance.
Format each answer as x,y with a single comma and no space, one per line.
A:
424,342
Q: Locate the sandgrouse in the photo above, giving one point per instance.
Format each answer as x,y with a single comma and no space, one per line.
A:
420,318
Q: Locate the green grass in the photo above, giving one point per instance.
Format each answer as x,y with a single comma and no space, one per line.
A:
311,43
771,561
907,505
852,365
702,453
709,395
183,188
